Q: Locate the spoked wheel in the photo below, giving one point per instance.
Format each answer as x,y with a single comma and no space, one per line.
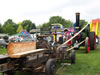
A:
87,45
50,67
92,41
73,57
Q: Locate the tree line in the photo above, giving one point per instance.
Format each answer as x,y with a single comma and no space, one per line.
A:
10,27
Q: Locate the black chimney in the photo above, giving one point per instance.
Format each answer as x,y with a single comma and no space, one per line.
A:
77,26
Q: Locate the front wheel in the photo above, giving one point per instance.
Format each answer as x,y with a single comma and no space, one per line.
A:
92,38
87,45
73,57
50,68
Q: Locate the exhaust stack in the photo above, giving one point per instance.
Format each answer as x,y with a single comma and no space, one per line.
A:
77,26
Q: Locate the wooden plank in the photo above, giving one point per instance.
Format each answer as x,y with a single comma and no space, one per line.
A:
31,51
22,54
20,47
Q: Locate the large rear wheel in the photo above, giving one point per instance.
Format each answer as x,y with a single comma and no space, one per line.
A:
73,57
92,38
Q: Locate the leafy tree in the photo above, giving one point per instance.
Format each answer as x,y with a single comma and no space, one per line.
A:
33,26
58,20
39,26
9,21
1,29
9,27
86,31
28,25
83,23
46,25
15,26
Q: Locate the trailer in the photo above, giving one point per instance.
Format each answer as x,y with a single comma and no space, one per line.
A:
24,56
32,56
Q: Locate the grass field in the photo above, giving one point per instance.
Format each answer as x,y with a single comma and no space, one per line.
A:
86,64
3,50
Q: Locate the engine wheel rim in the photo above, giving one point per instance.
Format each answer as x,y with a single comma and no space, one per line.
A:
53,70
87,45
94,42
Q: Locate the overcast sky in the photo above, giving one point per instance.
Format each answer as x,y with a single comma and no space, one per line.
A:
39,11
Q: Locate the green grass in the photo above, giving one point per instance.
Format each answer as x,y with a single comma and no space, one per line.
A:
3,50
86,64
